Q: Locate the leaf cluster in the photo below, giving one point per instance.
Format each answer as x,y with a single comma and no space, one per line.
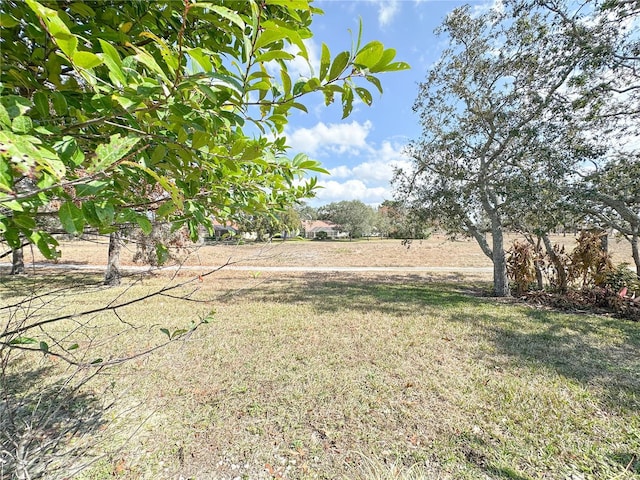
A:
129,112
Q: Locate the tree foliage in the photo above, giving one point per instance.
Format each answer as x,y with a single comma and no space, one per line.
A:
395,220
352,216
481,111
511,114
115,112
285,223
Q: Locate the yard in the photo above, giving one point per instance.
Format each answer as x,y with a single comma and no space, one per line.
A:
339,374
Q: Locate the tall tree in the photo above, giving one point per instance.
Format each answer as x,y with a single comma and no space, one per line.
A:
114,109
489,97
353,216
606,98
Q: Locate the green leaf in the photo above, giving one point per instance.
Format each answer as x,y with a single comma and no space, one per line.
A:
145,224
396,67
375,81
199,139
364,95
59,103
143,57
45,242
56,27
112,60
24,221
23,341
75,346
90,189
347,101
325,61
268,37
224,12
275,55
201,58
7,21
4,116
71,217
286,82
67,42
387,56
166,332
105,213
158,154
21,124
15,105
339,64
166,209
290,4
162,254
177,333
86,60
370,55
110,153
82,9
44,347
41,101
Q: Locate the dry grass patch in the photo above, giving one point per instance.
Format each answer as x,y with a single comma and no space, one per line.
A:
436,251
371,376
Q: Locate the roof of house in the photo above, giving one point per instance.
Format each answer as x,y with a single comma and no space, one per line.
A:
318,225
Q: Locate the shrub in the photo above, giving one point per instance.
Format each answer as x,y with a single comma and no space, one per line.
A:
590,263
620,277
521,267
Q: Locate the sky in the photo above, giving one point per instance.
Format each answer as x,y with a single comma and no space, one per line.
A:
362,150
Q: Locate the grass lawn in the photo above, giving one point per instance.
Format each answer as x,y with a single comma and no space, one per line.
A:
352,376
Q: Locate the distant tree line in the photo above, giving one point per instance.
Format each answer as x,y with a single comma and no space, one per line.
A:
356,219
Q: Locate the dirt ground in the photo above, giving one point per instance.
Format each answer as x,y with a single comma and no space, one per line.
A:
437,251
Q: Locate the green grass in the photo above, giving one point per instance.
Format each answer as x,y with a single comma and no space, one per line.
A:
370,376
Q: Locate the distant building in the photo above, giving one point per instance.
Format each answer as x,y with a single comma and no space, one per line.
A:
312,229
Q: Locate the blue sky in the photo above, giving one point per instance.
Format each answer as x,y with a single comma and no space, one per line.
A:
361,150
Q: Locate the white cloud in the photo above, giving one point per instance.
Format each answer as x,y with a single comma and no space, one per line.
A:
334,137
333,191
368,181
482,8
387,9
340,172
368,169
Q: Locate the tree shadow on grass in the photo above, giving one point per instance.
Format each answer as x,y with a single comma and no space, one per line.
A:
385,294
48,421
594,350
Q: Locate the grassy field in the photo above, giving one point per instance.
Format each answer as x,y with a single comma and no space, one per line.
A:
436,251
304,376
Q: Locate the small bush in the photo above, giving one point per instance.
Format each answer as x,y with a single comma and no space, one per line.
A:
521,267
590,264
620,277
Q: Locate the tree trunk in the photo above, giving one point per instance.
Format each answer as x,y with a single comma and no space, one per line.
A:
112,275
635,251
538,264
557,263
500,279
17,266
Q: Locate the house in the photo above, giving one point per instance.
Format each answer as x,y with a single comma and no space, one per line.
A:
313,228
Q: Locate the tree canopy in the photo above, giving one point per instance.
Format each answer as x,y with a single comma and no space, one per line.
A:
117,112
352,216
512,113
